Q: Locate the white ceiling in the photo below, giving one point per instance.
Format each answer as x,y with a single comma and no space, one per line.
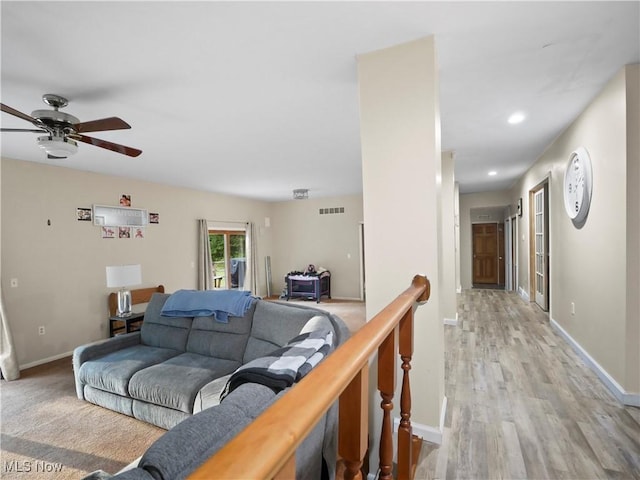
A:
256,99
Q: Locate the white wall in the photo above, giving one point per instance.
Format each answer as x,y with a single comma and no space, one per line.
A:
302,236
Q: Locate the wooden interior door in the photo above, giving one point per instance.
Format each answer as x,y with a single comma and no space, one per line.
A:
485,253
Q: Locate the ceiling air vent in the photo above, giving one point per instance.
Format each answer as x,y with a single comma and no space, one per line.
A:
331,211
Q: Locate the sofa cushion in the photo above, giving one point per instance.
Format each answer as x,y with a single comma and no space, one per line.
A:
274,324
112,372
162,417
176,382
165,332
222,340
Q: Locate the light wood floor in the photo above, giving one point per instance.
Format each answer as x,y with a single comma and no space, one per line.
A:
521,403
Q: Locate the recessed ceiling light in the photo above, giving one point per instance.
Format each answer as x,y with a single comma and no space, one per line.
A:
493,173
517,117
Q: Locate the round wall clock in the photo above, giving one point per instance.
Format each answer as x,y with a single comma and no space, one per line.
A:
578,184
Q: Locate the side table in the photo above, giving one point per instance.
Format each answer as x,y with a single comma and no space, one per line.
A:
131,323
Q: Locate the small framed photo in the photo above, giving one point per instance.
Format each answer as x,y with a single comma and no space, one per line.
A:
520,207
154,218
125,200
124,232
108,232
138,232
84,214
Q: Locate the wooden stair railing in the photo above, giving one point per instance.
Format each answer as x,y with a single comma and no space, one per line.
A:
257,453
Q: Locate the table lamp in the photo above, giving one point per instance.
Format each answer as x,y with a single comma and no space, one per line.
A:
121,276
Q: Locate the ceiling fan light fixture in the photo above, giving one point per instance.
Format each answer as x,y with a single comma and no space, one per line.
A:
60,147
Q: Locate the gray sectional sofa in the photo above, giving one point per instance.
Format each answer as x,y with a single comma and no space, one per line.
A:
172,371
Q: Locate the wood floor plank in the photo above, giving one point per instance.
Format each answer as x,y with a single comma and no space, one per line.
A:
522,404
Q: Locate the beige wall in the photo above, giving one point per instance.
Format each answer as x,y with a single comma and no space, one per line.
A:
61,268
448,268
302,236
589,265
401,167
468,202
632,381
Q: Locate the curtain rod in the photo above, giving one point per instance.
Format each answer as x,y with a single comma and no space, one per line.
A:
228,221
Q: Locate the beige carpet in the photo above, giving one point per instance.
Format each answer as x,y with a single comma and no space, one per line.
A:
47,433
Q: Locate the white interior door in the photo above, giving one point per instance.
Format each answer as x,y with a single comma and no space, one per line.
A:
508,254
540,248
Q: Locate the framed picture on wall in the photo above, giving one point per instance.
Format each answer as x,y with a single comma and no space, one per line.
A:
520,207
108,232
83,214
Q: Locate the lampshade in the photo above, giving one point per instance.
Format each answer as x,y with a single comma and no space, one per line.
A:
124,276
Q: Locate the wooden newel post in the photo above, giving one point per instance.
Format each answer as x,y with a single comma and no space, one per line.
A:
387,385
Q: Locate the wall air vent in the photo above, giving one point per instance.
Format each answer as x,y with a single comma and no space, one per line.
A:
330,211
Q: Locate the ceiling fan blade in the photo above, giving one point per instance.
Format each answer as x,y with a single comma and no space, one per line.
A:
131,152
111,123
16,113
22,130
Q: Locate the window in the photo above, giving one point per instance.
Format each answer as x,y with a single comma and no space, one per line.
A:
228,258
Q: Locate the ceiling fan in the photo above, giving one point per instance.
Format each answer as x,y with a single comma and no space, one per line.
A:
63,131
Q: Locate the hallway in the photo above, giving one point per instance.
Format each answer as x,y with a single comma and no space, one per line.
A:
522,404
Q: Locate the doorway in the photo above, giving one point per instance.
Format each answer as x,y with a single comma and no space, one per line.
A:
488,254
511,256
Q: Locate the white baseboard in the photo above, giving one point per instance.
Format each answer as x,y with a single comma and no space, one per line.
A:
427,432
352,299
451,321
45,360
614,387
523,294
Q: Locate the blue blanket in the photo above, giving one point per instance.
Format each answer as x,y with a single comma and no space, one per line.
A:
204,303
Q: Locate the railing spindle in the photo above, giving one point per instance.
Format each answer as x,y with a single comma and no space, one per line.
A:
405,433
353,427
387,385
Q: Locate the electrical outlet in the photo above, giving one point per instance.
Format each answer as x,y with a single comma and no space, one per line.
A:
41,330
14,283
573,308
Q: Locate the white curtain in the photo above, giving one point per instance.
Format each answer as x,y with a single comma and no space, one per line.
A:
250,279
8,360
205,269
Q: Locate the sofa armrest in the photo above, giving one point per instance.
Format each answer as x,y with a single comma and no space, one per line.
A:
98,349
